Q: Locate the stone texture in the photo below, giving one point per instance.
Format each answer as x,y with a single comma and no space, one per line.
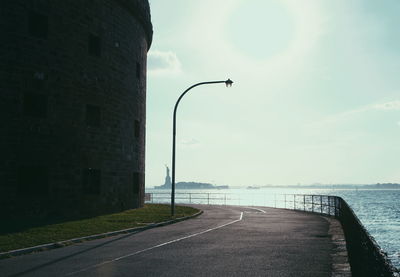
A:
59,73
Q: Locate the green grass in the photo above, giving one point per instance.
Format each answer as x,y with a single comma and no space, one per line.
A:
15,237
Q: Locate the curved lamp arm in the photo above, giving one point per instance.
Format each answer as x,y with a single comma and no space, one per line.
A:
228,83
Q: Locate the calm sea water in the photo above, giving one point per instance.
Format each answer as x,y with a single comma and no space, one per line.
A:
378,210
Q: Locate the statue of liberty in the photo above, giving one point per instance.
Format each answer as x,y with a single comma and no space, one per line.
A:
167,183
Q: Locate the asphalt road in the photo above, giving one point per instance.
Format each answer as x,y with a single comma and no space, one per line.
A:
223,241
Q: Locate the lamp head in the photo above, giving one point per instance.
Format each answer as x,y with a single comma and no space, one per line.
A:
228,83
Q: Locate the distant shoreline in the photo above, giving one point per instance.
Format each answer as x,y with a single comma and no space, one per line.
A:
200,186
192,185
345,186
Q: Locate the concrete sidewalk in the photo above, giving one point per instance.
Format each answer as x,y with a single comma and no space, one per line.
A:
223,241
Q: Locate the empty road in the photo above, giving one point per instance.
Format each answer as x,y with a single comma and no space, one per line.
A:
223,241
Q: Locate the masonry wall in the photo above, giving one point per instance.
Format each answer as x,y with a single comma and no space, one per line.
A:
72,105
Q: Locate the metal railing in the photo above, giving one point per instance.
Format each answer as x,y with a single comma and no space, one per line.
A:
367,259
324,204
195,198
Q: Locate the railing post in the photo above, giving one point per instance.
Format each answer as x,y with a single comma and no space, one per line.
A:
304,202
312,203
294,201
329,205
208,198
190,198
320,198
337,207
225,199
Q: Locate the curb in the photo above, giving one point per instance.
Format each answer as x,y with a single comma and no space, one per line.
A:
63,243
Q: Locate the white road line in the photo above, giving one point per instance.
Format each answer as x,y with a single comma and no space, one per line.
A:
257,209
155,246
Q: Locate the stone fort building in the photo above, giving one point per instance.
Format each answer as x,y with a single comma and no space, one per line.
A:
72,105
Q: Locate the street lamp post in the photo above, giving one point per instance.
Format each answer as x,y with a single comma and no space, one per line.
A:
228,83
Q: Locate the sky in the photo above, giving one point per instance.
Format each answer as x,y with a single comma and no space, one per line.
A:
315,98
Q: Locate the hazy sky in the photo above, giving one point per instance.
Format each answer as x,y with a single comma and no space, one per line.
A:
316,96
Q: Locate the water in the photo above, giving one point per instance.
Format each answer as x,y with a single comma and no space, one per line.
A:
378,210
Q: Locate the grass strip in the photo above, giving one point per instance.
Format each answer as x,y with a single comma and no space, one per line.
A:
32,236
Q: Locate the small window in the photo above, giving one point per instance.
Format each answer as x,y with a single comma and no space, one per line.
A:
38,25
32,180
93,116
91,181
137,128
35,105
136,182
94,46
138,69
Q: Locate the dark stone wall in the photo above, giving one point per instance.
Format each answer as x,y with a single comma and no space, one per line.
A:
72,105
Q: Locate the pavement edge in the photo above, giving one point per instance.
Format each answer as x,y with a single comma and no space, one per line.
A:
340,261
63,243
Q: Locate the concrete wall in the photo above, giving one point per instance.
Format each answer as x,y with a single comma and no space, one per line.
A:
72,105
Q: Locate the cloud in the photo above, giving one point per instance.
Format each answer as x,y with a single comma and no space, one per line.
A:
386,106
163,62
344,116
392,105
189,142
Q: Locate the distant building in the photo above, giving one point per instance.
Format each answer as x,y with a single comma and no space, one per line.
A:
72,105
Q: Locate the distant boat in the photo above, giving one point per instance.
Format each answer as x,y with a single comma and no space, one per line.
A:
251,187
